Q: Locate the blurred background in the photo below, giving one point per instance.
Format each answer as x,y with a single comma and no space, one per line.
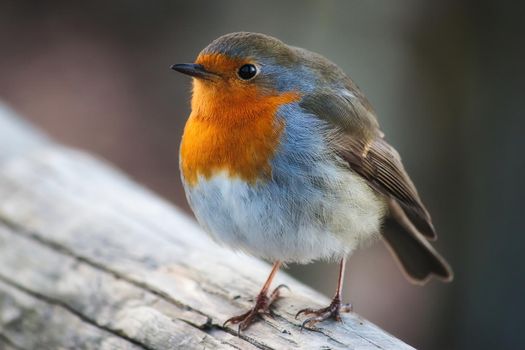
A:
446,79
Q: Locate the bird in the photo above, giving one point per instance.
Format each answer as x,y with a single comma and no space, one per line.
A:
282,157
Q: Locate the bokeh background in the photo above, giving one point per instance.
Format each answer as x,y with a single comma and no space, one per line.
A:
447,81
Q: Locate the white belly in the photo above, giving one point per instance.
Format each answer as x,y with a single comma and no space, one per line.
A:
294,218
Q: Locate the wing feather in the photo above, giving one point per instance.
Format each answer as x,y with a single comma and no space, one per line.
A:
381,166
360,142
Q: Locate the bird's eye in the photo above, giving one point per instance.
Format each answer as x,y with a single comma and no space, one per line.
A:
247,71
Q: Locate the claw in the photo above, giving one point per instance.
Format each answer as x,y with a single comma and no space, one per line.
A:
304,311
334,311
313,319
261,308
243,325
236,319
280,286
276,293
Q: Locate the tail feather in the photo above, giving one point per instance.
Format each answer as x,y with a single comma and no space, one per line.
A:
418,259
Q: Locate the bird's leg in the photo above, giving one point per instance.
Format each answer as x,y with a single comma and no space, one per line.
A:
262,302
334,309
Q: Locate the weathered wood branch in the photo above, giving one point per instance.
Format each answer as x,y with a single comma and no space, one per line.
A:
91,260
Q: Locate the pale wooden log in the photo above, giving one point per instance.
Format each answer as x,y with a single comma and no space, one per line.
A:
24,316
90,259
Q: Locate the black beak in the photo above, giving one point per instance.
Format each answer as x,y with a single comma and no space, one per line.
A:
194,70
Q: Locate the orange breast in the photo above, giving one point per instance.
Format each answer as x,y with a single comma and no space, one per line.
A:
233,129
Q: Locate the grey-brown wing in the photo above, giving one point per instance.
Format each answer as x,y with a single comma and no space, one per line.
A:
361,144
381,166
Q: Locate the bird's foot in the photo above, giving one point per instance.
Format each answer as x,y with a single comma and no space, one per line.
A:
261,307
332,311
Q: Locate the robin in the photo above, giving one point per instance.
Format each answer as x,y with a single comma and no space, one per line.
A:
282,157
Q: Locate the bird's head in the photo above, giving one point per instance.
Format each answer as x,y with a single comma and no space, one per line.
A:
249,71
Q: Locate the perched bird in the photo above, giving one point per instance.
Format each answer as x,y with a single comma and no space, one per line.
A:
282,157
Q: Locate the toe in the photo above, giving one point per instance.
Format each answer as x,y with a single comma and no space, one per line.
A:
313,320
281,286
261,308
245,324
236,319
305,311
276,293
333,311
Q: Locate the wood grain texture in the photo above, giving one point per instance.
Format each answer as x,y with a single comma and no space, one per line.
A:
91,260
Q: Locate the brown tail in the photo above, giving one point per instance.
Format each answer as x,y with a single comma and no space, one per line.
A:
417,257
